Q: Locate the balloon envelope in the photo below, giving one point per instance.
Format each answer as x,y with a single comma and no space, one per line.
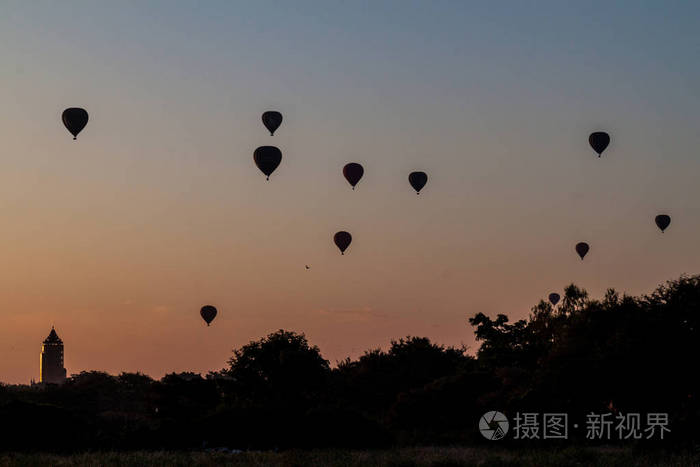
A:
272,120
208,313
342,240
267,158
554,298
582,248
662,221
74,119
418,180
599,140
353,173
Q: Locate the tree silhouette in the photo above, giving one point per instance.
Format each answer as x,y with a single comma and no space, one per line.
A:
619,354
281,367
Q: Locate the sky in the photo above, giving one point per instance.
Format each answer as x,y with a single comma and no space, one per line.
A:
120,237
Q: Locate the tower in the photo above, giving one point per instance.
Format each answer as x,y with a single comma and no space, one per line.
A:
51,364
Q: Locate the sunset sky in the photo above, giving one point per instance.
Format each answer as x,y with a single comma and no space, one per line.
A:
120,237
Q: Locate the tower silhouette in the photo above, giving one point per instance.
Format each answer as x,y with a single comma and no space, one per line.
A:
51,363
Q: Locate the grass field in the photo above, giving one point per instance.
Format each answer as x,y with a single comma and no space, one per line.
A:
405,457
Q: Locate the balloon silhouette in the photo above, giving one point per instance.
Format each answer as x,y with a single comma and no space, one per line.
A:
582,248
662,221
599,140
353,173
272,120
342,240
554,298
74,119
208,313
418,180
267,158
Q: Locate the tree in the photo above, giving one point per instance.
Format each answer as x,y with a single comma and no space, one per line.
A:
374,381
281,367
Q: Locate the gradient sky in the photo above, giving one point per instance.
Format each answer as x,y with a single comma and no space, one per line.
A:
120,237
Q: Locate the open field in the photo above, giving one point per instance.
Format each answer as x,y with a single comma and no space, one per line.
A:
405,457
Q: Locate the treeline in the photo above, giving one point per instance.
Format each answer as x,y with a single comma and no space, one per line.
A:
620,354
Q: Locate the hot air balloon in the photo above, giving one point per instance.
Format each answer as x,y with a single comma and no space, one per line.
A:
208,313
554,298
353,173
342,240
418,180
582,248
267,158
662,221
75,119
272,120
599,140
